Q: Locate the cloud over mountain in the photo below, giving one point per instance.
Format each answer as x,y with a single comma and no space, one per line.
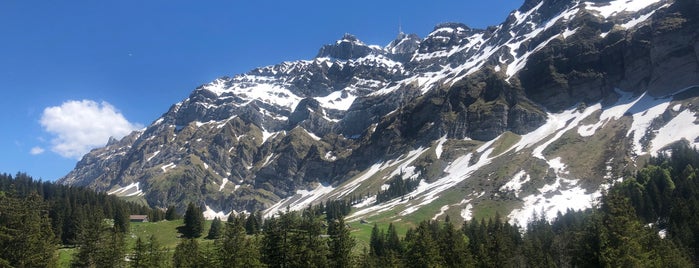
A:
78,126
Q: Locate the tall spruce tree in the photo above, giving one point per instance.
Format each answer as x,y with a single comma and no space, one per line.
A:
187,254
341,243
215,229
26,239
235,249
171,214
148,254
193,222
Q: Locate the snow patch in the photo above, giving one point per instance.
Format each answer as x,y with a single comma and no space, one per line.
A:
617,6
440,142
302,199
677,107
211,214
683,126
518,180
644,111
223,184
129,190
441,212
168,167
153,155
467,212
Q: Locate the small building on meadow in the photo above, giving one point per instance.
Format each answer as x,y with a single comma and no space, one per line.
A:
138,218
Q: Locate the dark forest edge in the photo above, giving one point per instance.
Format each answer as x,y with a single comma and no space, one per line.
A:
649,220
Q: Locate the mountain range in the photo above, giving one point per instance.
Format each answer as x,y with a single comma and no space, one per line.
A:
539,114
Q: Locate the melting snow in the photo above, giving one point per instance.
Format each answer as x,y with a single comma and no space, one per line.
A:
561,195
329,156
630,24
567,33
338,100
438,150
167,167
644,111
441,212
210,214
467,212
223,184
301,200
129,190
683,126
617,6
153,155
677,107
313,136
518,180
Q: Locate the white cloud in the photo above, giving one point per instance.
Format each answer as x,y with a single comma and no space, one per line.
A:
36,150
79,126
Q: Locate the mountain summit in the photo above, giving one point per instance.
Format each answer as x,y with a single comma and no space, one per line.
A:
540,113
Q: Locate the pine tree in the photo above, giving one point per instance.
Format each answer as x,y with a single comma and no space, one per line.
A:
422,250
186,254
624,235
252,224
171,214
193,222
341,243
100,245
26,239
235,249
148,254
310,248
121,220
376,242
454,246
215,229
139,255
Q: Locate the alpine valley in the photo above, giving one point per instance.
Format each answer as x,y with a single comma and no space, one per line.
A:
541,113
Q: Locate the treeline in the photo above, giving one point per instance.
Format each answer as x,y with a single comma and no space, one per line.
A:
397,187
67,206
36,217
292,239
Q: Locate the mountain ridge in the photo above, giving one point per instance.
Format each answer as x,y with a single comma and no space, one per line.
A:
449,110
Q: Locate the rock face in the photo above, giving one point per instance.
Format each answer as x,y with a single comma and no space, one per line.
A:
305,131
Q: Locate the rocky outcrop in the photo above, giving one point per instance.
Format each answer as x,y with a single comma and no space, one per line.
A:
349,47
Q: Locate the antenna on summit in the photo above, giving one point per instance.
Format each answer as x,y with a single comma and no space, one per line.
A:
400,27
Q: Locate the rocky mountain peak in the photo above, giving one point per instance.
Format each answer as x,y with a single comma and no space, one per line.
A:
348,47
404,44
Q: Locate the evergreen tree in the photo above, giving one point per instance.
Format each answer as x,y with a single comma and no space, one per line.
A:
193,222
187,254
171,214
215,229
341,244
148,254
100,245
26,239
454,246
623,235
235,249
252,224
121,220
422,250
311,249
376,242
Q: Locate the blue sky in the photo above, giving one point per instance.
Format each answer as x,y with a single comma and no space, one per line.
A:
75,72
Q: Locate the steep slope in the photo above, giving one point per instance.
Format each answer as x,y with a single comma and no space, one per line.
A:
539,113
